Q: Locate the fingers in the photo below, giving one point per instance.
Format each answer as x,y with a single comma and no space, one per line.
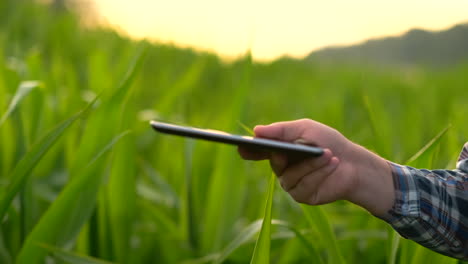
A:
290,177
307,190
304,180
285,131
278,163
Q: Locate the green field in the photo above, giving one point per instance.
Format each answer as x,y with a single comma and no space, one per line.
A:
84,179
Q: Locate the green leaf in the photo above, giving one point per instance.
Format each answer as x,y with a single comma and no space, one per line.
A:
121,194
24,89
70,257
183,84
226,180
70,211
247,234
31,158
377,122
5,256
247,129
261,252
244,236
160,218
319,222
423,255
122,89
407,249
394,244
310,248
423,158
121,189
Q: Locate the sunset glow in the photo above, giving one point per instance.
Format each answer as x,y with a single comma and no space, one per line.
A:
271,29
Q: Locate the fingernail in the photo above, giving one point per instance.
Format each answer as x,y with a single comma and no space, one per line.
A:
257,127
327,152
334,161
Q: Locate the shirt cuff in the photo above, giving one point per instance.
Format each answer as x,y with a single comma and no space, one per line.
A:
406,192
406,207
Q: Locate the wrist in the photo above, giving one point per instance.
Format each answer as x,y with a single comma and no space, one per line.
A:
373,189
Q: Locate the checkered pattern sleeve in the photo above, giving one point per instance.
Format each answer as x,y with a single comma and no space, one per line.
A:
431,207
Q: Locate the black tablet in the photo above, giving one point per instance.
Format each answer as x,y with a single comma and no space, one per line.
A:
260,144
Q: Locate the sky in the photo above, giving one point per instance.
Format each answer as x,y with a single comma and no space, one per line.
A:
271,29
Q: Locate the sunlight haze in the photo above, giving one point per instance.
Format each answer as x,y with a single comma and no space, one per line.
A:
271,29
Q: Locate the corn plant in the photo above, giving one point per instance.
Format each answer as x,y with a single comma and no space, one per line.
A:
84,179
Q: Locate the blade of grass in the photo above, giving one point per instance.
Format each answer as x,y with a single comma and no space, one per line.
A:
11,231
164,192
291,252
377,123
70,257
100,129
407,250
121,190
184,83
221,201
121,194
261,252
70,210
247,129
186,210
423,158
5,256
23,90
423,255
100,236
310,248
394,244
160,218
202,260
123,87
244,236
29,161
319,222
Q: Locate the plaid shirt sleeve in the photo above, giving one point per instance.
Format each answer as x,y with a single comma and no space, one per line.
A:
431,207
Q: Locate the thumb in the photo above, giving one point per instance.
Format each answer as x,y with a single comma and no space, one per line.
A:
284,131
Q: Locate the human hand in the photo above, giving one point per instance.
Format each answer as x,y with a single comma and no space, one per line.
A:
344,171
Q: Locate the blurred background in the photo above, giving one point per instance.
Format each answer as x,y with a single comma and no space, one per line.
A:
272,29
99,186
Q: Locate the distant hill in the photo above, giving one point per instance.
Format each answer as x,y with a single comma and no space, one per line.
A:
435,48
